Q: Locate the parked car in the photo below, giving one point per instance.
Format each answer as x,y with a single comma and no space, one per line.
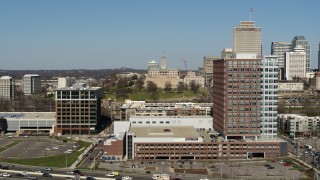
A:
287,164
127,178
113,174
48,169
91,178
46,174
32,177
270,167
6,175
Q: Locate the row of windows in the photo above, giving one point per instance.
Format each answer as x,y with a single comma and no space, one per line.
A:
153,122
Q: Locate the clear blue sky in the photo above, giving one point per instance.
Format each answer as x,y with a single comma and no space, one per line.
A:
99,34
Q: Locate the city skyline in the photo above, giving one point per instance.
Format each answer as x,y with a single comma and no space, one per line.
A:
112,34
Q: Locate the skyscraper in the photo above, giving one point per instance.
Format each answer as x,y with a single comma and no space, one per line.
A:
302,41
269,96
247,38
295,64
31,84
279,49
7,88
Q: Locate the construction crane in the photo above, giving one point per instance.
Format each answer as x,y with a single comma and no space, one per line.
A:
185,63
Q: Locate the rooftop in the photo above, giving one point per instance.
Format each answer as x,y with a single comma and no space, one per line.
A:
28,115
176,132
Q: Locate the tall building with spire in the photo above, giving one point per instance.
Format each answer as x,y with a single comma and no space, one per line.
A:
162,74
247,38
302,41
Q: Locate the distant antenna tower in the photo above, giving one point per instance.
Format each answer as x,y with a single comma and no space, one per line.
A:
251,11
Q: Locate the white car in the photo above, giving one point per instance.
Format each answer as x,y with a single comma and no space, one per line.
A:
6,175
110,175
48,149
56,147
127,178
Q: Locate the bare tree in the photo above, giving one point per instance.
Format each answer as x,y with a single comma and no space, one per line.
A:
194,86
167,86
152,88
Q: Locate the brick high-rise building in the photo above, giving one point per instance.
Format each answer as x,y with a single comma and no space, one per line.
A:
236,97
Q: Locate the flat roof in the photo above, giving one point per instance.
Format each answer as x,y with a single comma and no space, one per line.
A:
159,131
78,89
28,115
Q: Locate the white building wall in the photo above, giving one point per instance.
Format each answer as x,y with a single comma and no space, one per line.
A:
195,121
295,64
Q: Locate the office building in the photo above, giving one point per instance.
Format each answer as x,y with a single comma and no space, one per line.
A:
31,84
7,88
208,69
64,82
192,76
295,64
236,98
226,53
29,122
269,96
247,39
279,49
302,41
78,110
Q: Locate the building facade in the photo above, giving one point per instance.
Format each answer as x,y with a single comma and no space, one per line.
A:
302,41
208,69
279,49
247,38
64,82
7,88
269,96
78,110
161,75
192,76
295,64
31,84
141,108
299,124
236,98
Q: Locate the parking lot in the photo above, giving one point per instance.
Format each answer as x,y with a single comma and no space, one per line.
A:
30,147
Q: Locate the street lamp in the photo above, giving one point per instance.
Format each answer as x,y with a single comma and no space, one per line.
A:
66,160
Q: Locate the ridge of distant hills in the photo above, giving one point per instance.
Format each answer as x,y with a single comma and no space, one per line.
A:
94,73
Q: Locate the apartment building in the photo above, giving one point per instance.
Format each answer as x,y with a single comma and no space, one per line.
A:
7,88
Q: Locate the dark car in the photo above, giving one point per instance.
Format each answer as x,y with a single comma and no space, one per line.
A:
270,167
90,178
46,174
148,172
267,165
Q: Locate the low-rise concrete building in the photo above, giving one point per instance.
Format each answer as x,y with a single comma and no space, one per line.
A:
141,108
287,86
29,122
